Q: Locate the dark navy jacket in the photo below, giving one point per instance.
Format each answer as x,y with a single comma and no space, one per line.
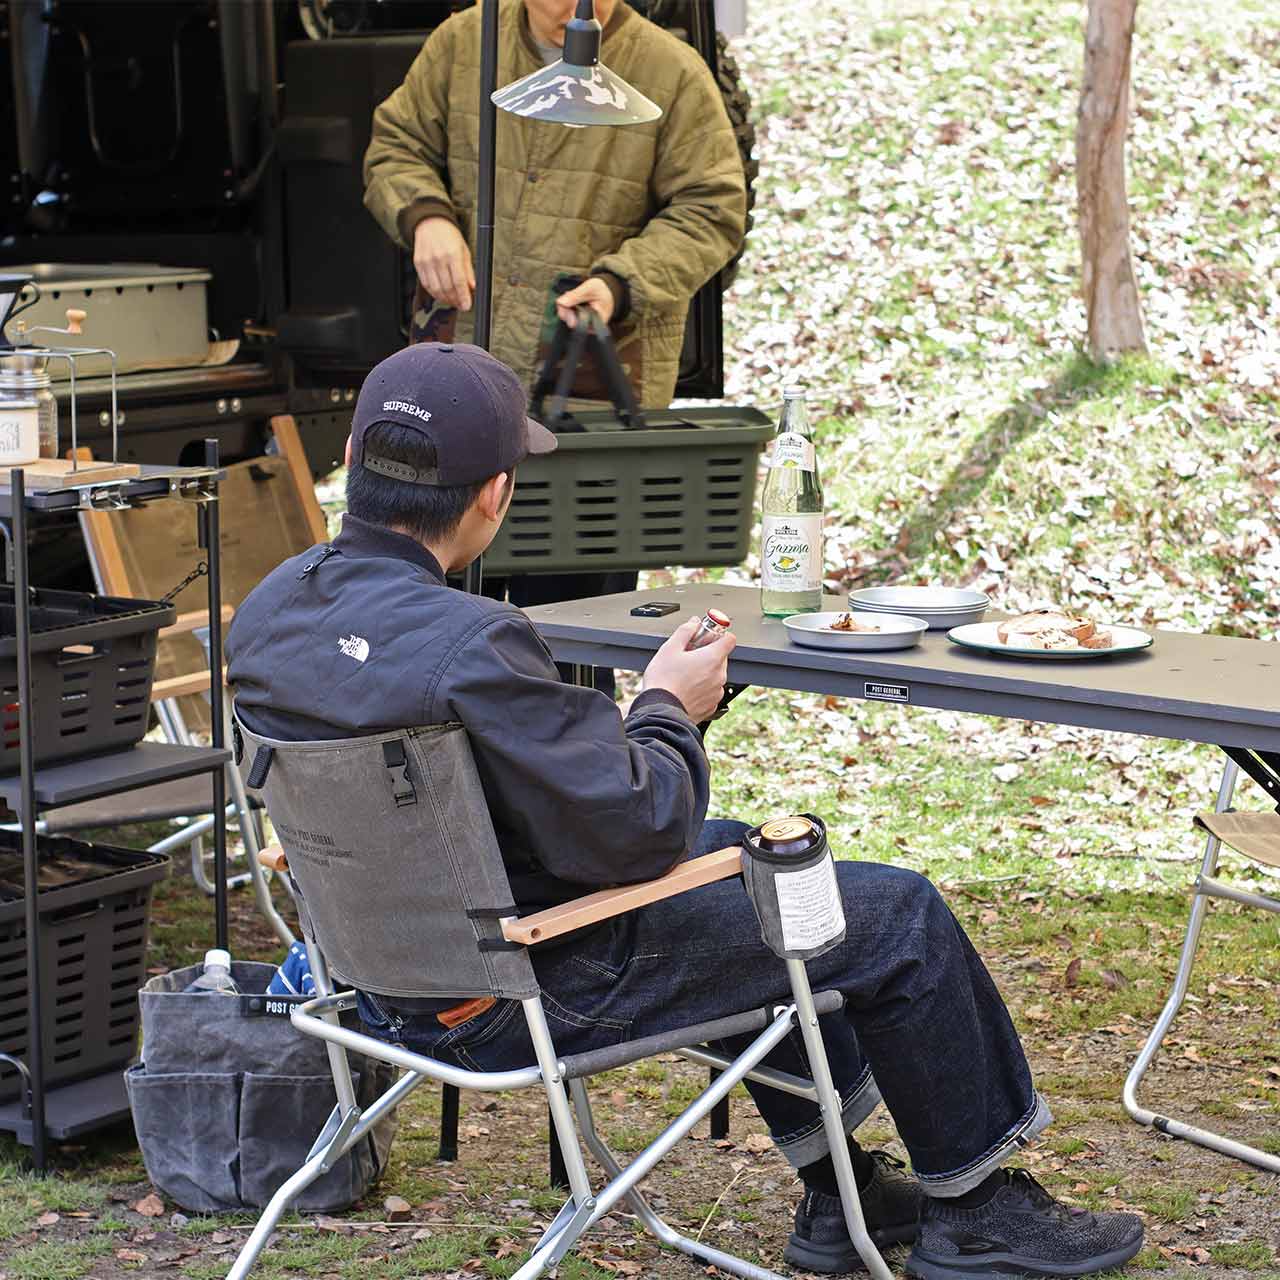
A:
362,635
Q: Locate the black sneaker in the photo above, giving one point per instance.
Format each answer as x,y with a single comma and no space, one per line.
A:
1022,1230
890,1208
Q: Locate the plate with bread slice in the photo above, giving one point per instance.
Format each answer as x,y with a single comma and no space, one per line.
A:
1049,633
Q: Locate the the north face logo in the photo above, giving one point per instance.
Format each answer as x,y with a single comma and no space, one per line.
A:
354,646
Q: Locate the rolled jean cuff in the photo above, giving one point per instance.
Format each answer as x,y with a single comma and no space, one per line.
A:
1038,1118
806,1145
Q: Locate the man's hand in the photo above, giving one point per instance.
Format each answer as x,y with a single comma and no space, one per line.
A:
696,678
593,293
443,262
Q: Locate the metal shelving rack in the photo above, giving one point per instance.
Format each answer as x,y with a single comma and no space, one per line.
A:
73,1109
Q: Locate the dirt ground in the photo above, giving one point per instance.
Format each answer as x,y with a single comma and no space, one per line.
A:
1205,1215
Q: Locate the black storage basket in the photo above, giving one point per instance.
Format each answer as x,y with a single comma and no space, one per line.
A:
95,915
93,659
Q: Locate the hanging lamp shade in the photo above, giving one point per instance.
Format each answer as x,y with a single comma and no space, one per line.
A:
578,89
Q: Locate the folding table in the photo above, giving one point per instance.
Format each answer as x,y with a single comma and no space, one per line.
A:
1197,688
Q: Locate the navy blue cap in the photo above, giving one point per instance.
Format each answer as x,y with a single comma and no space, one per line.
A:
468,404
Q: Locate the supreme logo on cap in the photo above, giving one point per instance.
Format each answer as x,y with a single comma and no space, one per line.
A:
406,406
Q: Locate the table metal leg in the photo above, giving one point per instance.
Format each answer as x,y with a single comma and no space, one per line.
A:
1205,888
557,1173
719,1118
449,1122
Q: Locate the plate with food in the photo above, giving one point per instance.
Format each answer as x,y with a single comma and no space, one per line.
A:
854,630
1050,633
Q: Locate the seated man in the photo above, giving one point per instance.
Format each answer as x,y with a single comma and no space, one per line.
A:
362,635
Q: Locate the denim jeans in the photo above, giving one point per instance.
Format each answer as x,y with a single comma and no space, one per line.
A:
923,1026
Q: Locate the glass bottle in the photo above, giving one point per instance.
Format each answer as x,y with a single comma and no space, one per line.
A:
791,510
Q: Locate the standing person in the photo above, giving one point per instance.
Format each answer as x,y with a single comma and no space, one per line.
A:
581,797
628,221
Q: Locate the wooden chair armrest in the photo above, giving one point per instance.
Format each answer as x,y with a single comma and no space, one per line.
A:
555,921
188,622
273,858
180,686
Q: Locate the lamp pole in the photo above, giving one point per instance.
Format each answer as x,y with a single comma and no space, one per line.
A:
487,164
575,90
473,575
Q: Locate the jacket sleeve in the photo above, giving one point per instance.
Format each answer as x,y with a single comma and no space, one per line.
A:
405,167
701,194
598,800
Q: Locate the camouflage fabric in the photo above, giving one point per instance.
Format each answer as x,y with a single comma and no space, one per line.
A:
662,205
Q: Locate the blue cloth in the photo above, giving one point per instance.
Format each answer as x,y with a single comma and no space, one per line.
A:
293,975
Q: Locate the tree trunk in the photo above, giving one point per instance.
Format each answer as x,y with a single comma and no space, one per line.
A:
1110,289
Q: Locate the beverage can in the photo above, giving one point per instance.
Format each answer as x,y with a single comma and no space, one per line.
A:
790,837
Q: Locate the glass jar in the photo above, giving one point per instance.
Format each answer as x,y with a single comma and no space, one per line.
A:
24,376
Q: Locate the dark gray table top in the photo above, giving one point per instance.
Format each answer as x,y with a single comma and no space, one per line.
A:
1198,688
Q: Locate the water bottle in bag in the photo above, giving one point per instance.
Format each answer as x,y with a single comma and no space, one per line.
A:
217,974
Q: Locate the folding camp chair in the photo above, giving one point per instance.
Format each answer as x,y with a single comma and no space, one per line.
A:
1256,836
402,891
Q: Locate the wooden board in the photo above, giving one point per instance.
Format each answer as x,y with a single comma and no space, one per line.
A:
145,551
56,473
289,444
581,912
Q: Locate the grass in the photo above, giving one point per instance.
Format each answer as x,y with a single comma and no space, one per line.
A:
63,1261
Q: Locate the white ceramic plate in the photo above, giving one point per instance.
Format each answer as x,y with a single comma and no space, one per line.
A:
814,630
982,635
940,607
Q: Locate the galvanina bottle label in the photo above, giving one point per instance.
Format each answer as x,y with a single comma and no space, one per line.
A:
792,450
791,558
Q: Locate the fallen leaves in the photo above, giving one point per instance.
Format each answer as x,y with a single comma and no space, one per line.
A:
397,1209
150,1206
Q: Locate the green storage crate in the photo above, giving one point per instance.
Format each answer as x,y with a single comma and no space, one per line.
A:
679,491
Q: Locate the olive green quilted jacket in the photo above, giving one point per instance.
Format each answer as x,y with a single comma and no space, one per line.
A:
660,205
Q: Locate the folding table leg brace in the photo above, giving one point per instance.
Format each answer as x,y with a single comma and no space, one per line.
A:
1207,885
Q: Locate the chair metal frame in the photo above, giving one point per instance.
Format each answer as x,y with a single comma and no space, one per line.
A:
1206,885
566,1092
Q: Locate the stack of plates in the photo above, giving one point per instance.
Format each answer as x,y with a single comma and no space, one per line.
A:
940,607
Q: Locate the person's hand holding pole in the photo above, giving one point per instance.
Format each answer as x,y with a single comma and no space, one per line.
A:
695,676
443,262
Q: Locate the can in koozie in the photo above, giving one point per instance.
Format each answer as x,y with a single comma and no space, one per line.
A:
791,879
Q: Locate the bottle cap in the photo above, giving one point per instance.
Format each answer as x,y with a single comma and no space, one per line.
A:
793,391
217,957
